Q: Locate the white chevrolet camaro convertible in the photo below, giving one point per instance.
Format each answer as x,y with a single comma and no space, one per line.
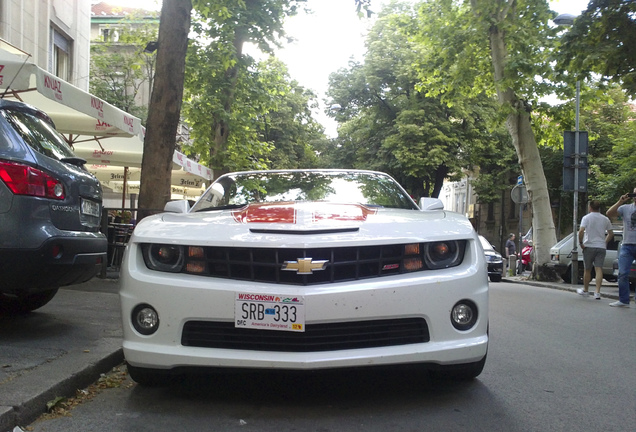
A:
304,270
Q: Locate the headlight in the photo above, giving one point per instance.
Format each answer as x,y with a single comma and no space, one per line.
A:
162,257
432,256
444,254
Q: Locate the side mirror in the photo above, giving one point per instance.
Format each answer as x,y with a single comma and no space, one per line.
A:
427,204
180,206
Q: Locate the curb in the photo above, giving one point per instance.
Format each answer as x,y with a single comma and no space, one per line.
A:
55,379
556,286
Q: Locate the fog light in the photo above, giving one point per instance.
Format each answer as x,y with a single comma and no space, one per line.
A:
464,315
145,319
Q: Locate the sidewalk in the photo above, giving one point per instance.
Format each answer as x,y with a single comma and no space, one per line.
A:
68,343
60,348
609,290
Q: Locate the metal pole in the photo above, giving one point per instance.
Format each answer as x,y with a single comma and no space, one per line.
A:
520,237
575,253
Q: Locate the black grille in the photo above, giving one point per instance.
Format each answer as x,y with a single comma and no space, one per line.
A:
317,337
265,265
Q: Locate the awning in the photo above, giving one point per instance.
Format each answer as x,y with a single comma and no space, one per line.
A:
74,111
105,136
128,152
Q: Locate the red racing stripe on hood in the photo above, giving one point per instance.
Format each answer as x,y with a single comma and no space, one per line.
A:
266,213
287,212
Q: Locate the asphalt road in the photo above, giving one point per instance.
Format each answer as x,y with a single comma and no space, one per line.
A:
557,362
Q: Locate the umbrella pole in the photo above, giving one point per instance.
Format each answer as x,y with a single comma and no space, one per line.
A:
123,193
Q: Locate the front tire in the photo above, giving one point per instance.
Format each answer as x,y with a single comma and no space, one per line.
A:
495,278
22,304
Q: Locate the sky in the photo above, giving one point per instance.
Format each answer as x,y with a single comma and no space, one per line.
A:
327,39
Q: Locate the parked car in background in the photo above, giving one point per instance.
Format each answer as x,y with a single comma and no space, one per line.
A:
50,211
561,258
493,259
304,270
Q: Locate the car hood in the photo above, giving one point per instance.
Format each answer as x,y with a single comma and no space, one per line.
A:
303,224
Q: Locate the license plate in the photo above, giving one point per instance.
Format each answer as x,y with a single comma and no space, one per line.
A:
269,312
90,208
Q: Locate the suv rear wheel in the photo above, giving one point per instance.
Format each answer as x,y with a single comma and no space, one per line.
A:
12,304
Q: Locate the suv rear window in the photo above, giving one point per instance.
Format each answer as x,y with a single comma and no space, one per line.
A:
39,134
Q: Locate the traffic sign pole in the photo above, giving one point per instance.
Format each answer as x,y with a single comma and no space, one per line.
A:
575,252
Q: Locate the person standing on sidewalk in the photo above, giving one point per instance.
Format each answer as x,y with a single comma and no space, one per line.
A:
628,246
511,250
594,234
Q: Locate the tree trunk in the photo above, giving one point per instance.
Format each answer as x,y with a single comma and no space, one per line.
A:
165,107
523,139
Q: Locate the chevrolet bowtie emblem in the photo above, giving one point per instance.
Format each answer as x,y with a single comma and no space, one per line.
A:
305,265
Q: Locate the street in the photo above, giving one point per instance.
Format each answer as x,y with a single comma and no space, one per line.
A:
556,362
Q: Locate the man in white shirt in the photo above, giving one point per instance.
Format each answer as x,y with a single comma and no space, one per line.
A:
594,234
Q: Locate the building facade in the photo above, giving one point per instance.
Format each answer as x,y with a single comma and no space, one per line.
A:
54,32
495,220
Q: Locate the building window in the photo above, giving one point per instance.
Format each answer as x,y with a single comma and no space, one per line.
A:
109,34
61,55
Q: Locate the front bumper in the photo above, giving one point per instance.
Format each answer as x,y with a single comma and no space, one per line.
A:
495,269
180,298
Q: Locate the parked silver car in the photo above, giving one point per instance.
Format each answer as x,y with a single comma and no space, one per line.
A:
561,258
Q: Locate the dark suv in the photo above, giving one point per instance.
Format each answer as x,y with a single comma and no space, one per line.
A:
50,211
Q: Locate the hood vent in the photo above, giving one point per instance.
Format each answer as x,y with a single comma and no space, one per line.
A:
305,232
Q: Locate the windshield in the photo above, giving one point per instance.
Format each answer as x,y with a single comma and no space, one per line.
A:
485,243
367,188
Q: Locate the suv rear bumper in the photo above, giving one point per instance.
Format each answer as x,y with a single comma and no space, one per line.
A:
60,261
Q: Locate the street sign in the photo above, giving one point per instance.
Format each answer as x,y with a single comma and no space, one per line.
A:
520,180
519,194
569,160
568,179
569,138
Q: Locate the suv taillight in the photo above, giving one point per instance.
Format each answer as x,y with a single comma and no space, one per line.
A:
25,180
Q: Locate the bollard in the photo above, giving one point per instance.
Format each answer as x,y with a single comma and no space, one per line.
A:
512,265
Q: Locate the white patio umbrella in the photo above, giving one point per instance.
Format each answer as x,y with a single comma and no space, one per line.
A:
99,132
74,111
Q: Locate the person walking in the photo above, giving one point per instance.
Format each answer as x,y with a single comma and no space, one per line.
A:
594,234
628,246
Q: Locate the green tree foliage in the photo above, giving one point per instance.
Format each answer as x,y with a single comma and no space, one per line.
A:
612,154
608,116
497,47
271,120
602,41
120,68
290,127
219,71
390,123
